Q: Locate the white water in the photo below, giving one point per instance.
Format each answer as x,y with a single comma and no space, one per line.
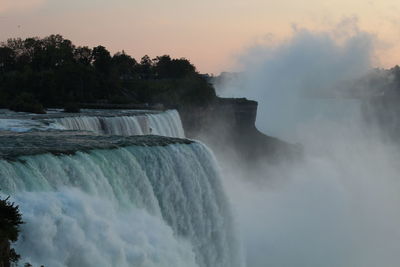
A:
26,125
167,123
339,205
133,206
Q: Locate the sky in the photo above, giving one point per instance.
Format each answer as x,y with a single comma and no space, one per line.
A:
210,33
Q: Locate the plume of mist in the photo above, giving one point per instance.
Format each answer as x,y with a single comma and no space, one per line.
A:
286,77
338,205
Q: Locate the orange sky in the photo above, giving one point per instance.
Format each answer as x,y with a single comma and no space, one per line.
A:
209,33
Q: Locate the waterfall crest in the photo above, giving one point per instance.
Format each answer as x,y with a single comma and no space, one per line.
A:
166,123
130,206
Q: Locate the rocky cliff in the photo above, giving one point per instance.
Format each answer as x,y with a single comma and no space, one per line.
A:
229,126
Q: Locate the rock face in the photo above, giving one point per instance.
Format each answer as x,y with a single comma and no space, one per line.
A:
229,124
384,113
227,113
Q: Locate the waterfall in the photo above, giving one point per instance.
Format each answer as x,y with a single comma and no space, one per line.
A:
166,123
128,206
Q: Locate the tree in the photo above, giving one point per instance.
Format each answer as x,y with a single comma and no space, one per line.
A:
56,51
10,220
167,68
83,55
145,67
101,59
124,65
7,59
52,71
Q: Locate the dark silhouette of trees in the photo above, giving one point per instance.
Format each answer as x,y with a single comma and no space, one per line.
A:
7,59
52,72
83,55
167,68
145,68
10,220
124,66
101,59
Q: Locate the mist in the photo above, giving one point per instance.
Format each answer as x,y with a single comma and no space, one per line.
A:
286,77
338,205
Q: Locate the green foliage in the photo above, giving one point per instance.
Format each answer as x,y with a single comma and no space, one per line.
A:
26,102
165,67
10,220
72,108
52,71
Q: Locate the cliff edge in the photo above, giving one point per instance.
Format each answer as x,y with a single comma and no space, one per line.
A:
228,125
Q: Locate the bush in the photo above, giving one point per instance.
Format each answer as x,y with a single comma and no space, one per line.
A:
10,220
72,108
25,102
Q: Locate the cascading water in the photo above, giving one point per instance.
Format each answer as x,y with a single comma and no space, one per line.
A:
167,123
130,206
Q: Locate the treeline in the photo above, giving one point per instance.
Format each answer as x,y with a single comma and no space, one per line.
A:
52,71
